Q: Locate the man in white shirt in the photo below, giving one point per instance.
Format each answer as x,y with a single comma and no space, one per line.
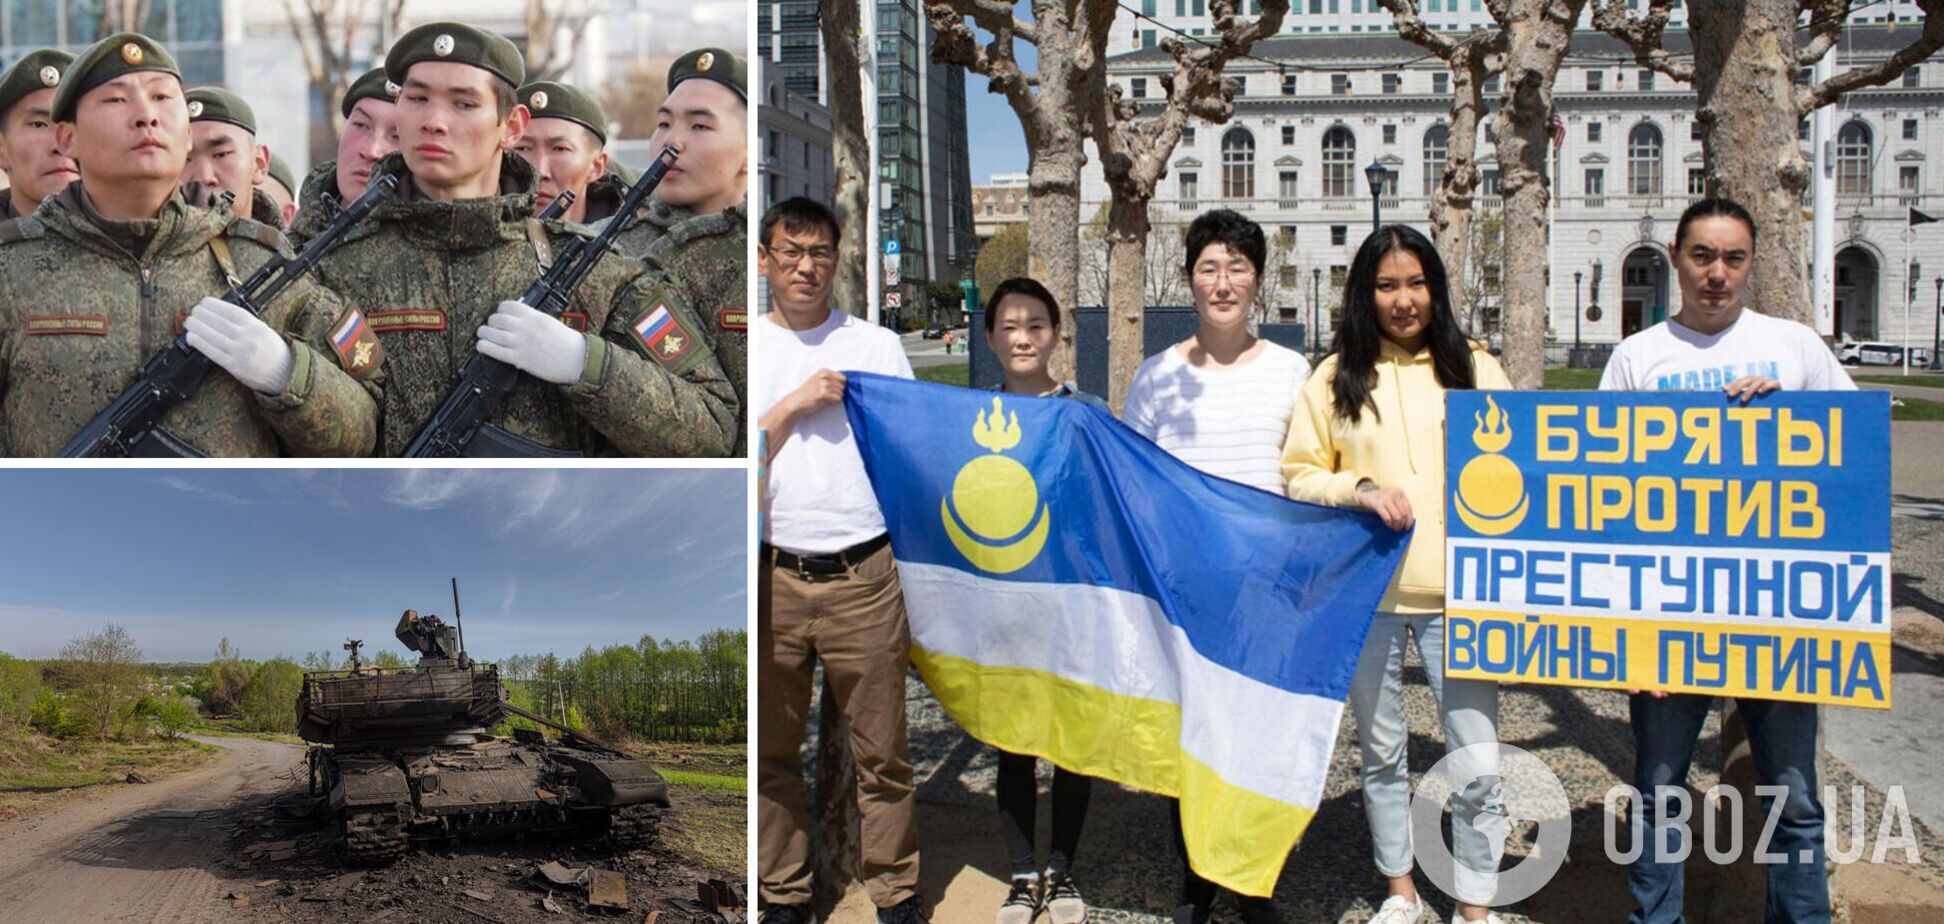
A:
827,587
1716,342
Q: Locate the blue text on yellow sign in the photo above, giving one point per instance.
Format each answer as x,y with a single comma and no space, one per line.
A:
1671,540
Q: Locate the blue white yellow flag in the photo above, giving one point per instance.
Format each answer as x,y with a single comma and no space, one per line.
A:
1079,594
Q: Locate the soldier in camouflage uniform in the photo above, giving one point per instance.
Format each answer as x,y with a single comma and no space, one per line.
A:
693,235
564,142
107,272
616,374
27,153
281,189
224,155
370,110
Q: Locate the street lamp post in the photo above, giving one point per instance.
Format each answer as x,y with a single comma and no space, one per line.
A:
1937,362
1316,298
1576,310
1375,175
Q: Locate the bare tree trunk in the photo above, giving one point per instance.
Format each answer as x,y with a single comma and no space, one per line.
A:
1134,158
1746,54
1451,208
1070,39
1127,234
852,197
1537,33
1053,230
1753,96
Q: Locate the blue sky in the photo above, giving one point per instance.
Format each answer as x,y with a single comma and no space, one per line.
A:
288,561
997,145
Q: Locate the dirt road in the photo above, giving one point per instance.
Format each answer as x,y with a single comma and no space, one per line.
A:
139,853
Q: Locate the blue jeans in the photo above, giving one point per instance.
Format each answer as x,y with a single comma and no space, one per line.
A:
1782,737
1468,709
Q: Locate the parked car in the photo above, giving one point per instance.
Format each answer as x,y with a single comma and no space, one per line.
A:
1877,353
935,331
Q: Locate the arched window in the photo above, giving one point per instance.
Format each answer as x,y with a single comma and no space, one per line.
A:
1339,163
1238,164
1435,141
1853,160
1644,160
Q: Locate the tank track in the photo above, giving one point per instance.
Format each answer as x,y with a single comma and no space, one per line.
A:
374,837
632,826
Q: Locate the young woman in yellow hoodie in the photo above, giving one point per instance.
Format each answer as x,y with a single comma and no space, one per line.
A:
1368,431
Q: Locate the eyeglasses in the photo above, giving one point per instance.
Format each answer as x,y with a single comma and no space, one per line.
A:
791,256
1209,274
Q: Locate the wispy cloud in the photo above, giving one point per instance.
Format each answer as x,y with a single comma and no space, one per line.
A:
186,486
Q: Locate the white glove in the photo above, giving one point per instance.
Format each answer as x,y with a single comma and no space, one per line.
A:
541,346
242,344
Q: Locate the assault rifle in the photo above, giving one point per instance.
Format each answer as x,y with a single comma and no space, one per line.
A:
462,424
131,425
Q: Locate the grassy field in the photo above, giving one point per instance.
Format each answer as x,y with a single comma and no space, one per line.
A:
1915,380
959,374
32,764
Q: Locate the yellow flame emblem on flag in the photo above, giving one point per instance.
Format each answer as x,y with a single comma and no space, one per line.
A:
994,499
1491,496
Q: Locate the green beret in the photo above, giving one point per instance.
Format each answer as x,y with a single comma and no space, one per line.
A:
118,54
370,85
280,172
548,100
214,104
454,41
717,64
39,70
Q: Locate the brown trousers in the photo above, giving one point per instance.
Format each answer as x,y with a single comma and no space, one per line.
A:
855,624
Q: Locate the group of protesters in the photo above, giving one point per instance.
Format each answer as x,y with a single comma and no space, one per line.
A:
1364,429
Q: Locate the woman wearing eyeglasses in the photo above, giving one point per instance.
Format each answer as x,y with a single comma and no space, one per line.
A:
1220,401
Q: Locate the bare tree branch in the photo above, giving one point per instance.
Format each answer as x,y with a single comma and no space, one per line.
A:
1643,35
1809,99
1825,28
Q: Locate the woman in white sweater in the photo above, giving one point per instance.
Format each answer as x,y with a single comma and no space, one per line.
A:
1219,401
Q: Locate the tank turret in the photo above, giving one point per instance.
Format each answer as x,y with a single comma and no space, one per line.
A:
407,754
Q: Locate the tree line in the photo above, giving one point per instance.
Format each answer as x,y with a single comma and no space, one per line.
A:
100,688
660,690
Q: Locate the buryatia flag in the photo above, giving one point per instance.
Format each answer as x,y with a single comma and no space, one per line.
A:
1077,593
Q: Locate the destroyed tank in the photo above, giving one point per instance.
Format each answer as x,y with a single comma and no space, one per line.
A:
403,755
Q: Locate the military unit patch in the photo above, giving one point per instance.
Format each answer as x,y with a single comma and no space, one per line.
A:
356,344
91,324
733,319
664,336
575,319
408,319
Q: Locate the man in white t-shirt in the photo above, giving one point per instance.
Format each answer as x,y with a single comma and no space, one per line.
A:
1716,342
827,587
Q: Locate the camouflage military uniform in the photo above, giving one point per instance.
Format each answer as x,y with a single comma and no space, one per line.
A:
702,264
317,203
80,311
264,211
7,209
430,273
604,197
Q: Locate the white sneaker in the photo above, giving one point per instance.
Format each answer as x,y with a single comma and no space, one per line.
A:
1489,918
1398,910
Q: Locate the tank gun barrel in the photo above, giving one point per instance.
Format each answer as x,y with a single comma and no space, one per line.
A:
581,737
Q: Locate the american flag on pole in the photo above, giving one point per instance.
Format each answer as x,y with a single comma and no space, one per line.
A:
1557,127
